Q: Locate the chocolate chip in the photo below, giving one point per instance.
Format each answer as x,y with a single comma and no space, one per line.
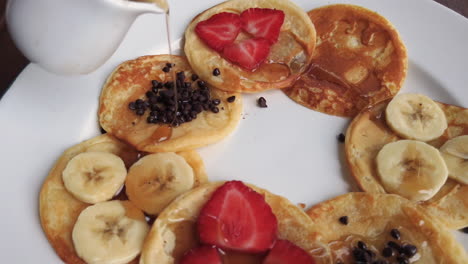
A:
102,130
140,112
231,99
169,85
155,90
343,220
380,261
464,230
139,101
201,84
387,252
132,106
169,65
216,101
402,260
194,77
187,85
214,109
410,250
180,76
395,234
262,102
151,119
361,255
150,94
166,69
154,83
362,245
341,138
216,72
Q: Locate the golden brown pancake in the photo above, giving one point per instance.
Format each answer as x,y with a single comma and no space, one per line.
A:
174,232
368,133
359,60
371,217
131,80
59,210
288,58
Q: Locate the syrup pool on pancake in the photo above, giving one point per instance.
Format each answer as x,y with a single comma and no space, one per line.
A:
359,59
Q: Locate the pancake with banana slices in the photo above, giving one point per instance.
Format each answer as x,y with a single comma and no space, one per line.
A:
368,228
175,230
158,123
59,209
369,132
359,59
288,57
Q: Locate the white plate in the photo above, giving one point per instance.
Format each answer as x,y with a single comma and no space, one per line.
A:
286,148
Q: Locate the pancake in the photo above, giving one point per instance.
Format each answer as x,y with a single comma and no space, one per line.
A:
359,60
59,210
368,133
131,80
174,231
371,217
288,58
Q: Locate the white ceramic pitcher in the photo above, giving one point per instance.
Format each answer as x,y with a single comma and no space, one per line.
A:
72,36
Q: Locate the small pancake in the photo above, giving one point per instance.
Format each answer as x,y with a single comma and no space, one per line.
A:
288,57
359,60
368,133
59,210
131,80
174,232
371,217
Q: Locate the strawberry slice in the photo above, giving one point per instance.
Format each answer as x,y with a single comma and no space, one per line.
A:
219,30
249,53
285,252
237,218
263,23
202,255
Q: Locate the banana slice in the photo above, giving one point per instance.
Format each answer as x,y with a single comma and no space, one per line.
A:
455,154
415,116
412,169
94,177
109,233
155,180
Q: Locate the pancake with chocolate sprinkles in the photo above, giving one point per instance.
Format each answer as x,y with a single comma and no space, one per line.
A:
137,105
288,57
359,60
59,209
174,231
383,227
368,133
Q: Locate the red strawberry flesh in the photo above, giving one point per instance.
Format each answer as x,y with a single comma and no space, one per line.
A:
263,23
249,53
219,30
285,252
202,255
237,218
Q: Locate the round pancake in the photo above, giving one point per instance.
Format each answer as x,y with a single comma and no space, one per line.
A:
288,57
368,133
59,210
359,60
131,80
370,219
174,231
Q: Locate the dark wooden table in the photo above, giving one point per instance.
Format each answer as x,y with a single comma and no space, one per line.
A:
12,62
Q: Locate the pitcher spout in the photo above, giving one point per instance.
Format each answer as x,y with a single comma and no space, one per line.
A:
143,6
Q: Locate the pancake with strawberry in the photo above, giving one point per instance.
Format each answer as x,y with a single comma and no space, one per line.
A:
359,60
140,105
383,228
231,223
250,45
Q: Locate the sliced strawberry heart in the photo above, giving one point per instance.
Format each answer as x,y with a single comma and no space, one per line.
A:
263,23
237,218
249,53
285,252
219,30
202,255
